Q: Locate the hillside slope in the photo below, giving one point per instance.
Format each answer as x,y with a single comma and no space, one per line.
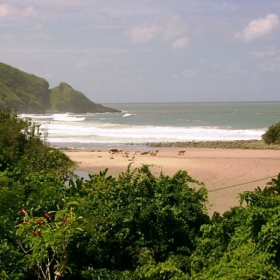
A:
64,98
22,91
27,93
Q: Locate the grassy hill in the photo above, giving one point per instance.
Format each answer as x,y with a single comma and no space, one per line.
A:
22,91
27,93
64,98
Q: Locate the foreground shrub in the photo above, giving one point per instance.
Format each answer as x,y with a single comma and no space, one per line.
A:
143,223
44,241
244,243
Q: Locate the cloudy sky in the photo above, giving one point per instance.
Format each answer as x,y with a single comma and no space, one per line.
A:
148,50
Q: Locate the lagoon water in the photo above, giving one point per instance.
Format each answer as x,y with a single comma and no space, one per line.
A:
160,122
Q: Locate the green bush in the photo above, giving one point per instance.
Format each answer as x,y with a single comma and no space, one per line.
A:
244,242
272,135
143,223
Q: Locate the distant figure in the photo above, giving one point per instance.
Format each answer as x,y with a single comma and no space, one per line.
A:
115,151
131,158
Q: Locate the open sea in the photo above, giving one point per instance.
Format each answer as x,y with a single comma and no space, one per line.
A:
139,124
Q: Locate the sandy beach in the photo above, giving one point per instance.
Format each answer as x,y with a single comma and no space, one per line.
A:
225,172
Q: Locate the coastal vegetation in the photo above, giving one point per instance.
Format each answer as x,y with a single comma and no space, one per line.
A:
272,135
57,225
237,144
27,93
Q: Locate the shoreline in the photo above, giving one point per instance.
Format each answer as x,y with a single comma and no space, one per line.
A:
225,172
234,144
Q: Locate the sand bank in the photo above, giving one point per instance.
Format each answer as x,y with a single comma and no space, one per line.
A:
225,172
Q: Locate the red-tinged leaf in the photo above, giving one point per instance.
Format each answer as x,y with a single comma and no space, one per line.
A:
39,222
35,233
47,216
24,222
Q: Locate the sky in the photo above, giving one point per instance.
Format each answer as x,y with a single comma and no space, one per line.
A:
126,51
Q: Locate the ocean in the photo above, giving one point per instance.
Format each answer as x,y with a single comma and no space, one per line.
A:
139,124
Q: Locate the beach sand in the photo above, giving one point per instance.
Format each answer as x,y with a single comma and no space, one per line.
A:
225,172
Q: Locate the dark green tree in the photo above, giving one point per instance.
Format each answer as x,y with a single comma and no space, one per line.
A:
272,135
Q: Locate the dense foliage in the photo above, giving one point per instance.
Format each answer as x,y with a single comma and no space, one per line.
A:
55,225
272,135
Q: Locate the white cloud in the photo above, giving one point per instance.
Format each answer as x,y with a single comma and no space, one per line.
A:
27,11
8,10
259,28
144,33
191,73
181,43
165,30
172,29
4,10
272,66
269,59
266,53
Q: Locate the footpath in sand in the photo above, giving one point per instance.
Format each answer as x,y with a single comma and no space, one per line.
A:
225,172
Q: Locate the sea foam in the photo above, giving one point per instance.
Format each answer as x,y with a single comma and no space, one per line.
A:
67,118
142,134
142,123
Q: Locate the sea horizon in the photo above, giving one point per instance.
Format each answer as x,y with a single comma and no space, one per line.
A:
142,123
189,102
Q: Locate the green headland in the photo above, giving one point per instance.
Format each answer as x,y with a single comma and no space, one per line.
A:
27,93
